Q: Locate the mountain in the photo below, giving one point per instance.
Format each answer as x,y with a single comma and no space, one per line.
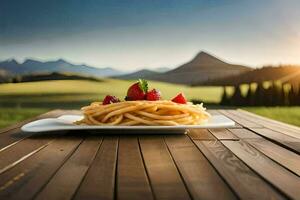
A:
162,69
30,66
285,74
54,76
144,73
202,68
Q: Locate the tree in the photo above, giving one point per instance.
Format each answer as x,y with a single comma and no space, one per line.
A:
292,96
277,97
259,95
225,98
250,101
237,99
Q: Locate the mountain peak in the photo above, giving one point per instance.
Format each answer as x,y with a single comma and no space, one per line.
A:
30,61
202,53
206,59
61,60
12,60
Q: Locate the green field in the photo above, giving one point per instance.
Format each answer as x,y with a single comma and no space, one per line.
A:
76,93
23,100
10,116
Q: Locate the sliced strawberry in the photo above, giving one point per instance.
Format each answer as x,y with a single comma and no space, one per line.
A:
180,98
110,99
137,91
153,95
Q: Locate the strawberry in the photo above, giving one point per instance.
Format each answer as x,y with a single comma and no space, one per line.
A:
180,98
153,95
110,99
137,91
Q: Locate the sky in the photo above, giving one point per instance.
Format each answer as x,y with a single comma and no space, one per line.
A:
135,34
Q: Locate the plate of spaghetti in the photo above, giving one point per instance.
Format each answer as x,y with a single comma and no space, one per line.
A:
141,110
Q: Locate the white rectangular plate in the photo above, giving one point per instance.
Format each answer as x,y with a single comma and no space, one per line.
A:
65,122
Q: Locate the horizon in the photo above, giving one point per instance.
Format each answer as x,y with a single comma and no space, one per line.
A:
134,35
146,68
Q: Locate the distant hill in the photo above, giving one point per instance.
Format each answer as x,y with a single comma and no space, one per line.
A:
285,74
53,76
144,73
32,66
202,68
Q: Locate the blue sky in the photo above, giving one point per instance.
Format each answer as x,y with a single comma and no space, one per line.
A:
136,34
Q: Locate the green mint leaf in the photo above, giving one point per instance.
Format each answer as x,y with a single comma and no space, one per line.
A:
143,85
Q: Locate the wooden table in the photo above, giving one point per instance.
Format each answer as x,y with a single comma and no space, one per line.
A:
257,159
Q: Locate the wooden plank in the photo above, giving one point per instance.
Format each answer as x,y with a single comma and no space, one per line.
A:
239,120
223,134
200,134
286,158
245,183
67,179
201,179
278,176
11,156
244,133
279,138
26,179
132,180
271,124
163,174
99,182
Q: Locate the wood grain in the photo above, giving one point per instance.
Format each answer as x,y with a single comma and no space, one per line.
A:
99,182
239,120
223,134
244,133
260,161
202,181
245,182
200,134
67,179
281,178
279,138
132,180
15,154
27,178
284,157
163,174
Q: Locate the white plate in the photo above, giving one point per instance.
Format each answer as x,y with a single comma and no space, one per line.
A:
65,122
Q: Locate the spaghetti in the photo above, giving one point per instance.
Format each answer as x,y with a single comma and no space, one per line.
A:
152,113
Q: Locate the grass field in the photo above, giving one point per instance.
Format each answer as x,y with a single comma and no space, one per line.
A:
47,93
10,116
24,100
109,86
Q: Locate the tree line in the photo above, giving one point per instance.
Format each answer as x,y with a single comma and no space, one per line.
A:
274,94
